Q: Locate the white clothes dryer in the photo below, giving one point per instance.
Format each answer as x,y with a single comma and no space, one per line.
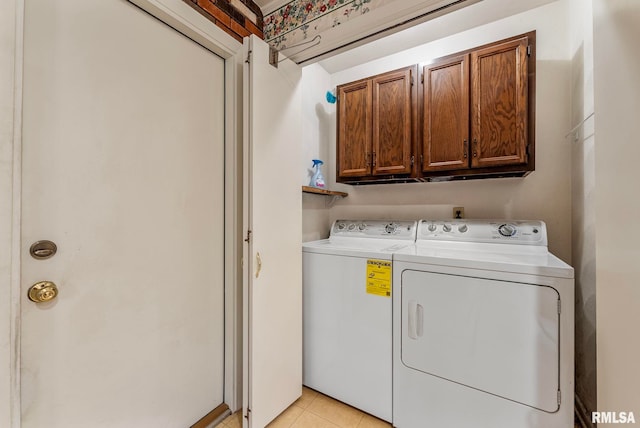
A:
483,328
347,325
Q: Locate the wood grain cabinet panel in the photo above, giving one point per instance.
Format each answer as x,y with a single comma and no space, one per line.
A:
392,123
354,129
445,119
375,127
499,110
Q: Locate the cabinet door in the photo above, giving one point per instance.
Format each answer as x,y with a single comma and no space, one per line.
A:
445,120
499,104
392,123
354,129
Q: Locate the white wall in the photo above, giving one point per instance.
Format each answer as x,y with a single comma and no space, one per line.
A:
317,116
616,34
544,195
583,218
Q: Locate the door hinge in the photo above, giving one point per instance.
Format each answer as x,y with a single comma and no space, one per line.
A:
248,60
246,415
559,398
273,57
559,307
248,238
411,77
528,50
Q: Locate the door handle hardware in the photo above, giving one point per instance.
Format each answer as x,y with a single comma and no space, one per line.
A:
475,147
43,291
466,148
416,320
42,250
259,263
374,159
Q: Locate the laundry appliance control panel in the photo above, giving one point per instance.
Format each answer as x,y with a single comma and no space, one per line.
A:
520,232
374,229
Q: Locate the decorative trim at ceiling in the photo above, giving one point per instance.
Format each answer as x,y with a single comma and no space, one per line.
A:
290,24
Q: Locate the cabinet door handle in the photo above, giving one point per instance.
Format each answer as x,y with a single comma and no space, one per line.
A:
475,148
466,148
374,160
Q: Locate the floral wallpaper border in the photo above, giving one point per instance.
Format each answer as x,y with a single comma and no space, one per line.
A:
291,23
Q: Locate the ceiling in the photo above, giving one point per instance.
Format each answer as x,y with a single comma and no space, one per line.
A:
474,15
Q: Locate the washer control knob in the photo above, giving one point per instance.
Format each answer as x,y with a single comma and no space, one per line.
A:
341,226
463,228
432,227
390,228
351,227
507,230
446,228
362,227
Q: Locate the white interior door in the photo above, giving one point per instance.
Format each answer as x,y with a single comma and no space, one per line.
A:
273,267
123,168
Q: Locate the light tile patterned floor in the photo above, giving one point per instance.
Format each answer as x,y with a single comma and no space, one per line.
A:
314,410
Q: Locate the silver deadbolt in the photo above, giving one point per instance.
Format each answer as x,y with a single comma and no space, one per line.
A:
41,250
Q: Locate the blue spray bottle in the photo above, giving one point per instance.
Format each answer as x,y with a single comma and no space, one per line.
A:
317,180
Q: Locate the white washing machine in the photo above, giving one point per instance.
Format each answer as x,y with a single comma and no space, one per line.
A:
483,328
347,325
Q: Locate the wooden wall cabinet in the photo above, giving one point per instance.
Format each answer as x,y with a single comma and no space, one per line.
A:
375,127
354,129
472,117
477,108
445,119
499,104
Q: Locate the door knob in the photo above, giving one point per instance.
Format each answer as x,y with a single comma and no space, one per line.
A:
43,291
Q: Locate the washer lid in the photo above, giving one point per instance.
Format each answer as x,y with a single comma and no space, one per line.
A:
370,248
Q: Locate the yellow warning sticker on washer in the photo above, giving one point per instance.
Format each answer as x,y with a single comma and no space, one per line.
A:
379,277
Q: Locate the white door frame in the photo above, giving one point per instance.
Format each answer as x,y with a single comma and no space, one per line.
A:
189,22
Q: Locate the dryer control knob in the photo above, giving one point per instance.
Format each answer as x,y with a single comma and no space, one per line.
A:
446,228
463,228
390,228
362,226
432,227
507,230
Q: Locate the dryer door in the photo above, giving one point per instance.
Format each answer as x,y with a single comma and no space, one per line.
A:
495,336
